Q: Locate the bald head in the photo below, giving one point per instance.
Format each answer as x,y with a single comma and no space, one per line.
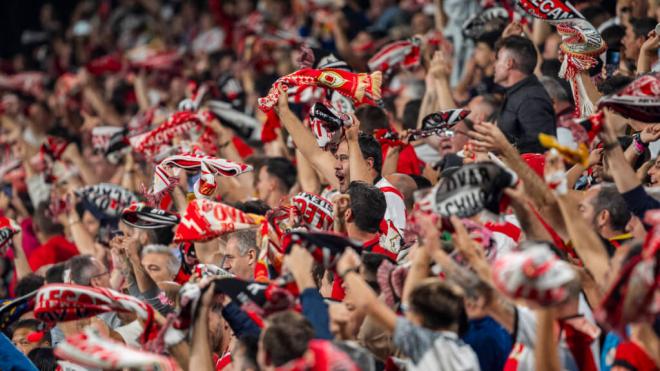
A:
406,185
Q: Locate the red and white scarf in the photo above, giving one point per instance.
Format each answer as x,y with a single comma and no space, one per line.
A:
403,54
90,349
639,100
581,44
361,88
167,172
185,124
59,302
204,220
8,228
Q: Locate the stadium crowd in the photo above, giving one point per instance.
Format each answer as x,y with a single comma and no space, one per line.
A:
332,185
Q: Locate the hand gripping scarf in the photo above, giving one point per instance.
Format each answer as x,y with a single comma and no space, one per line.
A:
581,44
60,302
90,349
326,124
211,270
639,100
537,274
469,190
326,248
314,210
12,310
633,295
8,228
204,220
390,278
403,54
179,124
166,173
141,216
361,88
106,200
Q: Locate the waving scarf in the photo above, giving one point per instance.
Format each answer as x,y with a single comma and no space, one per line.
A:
581,44
101,136
639,100
141,216
491,19
184,123
403,54
8,228
440,122
535,273
204,220
167,172
90,349
359,87
469,190
243,124
59,302
51,150
105,200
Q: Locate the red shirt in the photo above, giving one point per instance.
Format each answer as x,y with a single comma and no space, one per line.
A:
56,249
408,163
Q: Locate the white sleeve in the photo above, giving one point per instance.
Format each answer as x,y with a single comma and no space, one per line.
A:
525,331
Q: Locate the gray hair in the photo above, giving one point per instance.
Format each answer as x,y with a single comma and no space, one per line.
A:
82,269
247,239
554,88
173,262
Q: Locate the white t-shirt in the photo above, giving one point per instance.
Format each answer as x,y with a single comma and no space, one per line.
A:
396,208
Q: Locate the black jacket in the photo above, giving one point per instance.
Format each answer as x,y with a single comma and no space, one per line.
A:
526,112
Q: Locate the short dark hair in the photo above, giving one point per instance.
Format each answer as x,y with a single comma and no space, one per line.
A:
613,36
523,52
371,118
411,113
286,337
440,304
368,206
55,274
160,236
28,284
642,26
609,198
596,15
32,325
370,147
282,169
614,84
82,269
43,358
46,224
489,38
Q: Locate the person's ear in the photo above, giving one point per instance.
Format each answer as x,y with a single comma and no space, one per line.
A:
603,217
370,162
252,256
143,238
348,216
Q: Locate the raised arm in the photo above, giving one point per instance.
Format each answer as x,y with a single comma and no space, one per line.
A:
361,294
305,142
357,163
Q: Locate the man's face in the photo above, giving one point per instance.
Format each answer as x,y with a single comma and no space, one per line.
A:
102,276
631,47
241,266
264,184
586,206
20,340
483,55
502,67
157,266
90,223
341,166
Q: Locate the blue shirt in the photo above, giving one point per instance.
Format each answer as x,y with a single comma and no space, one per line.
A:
490,341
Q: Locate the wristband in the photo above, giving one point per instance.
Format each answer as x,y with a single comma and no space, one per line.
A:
349,270
640,146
